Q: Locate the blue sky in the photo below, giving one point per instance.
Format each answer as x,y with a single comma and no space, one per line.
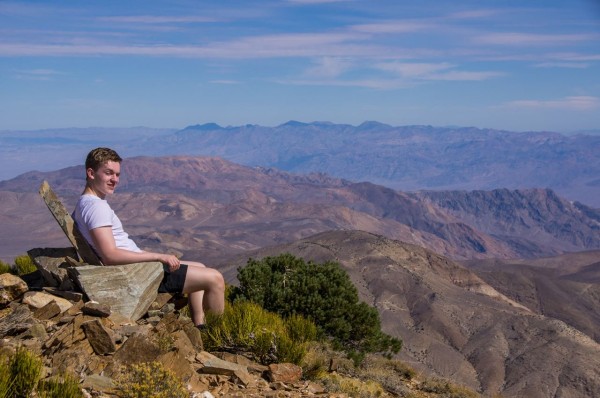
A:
515,65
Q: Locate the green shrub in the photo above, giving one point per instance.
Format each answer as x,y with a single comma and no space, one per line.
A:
352,387
150,380
245,326
322,293
20,375
24,265
5,379
446,389
25,370
65,386
4,268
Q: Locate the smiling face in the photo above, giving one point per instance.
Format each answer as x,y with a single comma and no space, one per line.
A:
104,180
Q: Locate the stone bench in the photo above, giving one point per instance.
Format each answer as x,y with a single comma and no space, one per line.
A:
129,289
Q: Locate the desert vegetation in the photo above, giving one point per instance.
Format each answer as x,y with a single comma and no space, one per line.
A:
23,265
322,293
20,376
285,310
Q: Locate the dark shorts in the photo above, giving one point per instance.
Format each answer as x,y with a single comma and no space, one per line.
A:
173,281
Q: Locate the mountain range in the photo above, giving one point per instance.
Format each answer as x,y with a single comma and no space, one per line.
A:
210,207
406,158
497,289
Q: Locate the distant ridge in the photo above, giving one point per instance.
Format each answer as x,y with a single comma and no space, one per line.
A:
204,127
407,158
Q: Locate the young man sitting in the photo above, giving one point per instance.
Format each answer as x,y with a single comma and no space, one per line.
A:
102,228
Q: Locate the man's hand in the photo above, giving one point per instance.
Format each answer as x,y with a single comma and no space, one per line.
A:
170,260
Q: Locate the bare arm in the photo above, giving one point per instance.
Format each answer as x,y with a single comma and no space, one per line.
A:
104,241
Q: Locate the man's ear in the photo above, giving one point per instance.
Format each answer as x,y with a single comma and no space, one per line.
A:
89,173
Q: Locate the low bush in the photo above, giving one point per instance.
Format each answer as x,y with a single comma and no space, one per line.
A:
20,377
323,293
150,379
446,389
65,386
352,387
24,370
5,379
24,265
246,326
4,268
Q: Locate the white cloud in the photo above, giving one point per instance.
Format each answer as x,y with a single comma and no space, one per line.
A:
527,39
434,71
154,19
474,14
571,65
578,103
37,74
400,26
329,67
316,1
227,82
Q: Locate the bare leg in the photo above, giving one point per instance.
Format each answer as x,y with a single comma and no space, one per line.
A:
206,290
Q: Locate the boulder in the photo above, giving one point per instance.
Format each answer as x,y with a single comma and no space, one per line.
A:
16,321
96,309
284,372
11,288
41,299
213,365
52,263
48,311
127,289
100,337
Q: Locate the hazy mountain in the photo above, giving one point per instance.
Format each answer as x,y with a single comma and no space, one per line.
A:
405,158
210,208
409,157
456,325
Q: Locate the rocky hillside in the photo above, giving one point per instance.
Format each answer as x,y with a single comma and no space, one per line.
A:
456,324
107,355
565,287
210,208
528,218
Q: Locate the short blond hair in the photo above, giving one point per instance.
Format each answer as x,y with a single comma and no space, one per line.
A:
99,156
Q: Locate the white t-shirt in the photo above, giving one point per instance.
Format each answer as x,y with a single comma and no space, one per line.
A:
92,212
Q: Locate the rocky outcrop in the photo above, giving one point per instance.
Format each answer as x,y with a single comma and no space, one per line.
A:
99,348
126,289
11,288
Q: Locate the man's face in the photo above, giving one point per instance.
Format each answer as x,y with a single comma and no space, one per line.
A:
104,180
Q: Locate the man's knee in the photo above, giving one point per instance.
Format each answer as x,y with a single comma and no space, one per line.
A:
218,280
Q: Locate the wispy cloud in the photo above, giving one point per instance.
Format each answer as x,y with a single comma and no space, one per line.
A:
400,26
329,67
571,65
370,83
226,82
474,14
434,71
528,39
337,44
37,74
153,19
580,103
316,1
